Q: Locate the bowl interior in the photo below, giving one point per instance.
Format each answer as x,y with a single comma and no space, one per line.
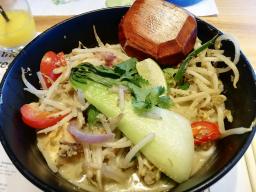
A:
19,141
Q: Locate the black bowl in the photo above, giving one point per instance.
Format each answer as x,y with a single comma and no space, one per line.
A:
19,141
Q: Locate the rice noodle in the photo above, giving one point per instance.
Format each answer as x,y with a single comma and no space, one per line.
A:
235,131
190,97
121,143
232,66
100,43
113,173
113,122
200,77
204,88
201,70
41,80
113,160
137,147
61,113
30,88
55,104
59,70
239,130
58,124
235,43
64,76
220,113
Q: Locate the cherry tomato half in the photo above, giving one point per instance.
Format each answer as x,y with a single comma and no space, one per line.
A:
49,62
204,131
33,117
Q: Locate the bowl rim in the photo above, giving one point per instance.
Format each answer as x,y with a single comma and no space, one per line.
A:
43,186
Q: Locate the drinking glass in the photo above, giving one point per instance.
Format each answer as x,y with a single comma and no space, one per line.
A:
184,3
17,26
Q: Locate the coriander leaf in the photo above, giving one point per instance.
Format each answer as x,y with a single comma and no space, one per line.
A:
125,74
92,114
139,81
140,106
127,67
145,99
138,92
128,72
153,96
169,74
164,102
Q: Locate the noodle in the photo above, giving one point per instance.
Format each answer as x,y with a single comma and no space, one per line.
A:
59,124
41,80
31,88
137,147
199,101
116,160
232,66
190,97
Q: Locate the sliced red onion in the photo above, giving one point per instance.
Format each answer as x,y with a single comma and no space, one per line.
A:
86,137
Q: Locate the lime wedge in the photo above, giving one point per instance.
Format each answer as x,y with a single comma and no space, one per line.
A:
150,70
114,3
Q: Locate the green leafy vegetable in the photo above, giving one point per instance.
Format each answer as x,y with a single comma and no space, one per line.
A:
164,102
124,74
92,115
184,86
127,68
169,74
146,98
173,134
179,75
87,71
128,72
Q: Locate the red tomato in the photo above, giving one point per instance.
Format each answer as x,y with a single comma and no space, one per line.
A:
204,131
33,117
49,62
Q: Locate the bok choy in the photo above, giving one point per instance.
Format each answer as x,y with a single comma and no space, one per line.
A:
172,148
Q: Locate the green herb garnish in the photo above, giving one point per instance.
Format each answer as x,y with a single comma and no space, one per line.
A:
125,74
183,66
184,86
92,114
169,74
